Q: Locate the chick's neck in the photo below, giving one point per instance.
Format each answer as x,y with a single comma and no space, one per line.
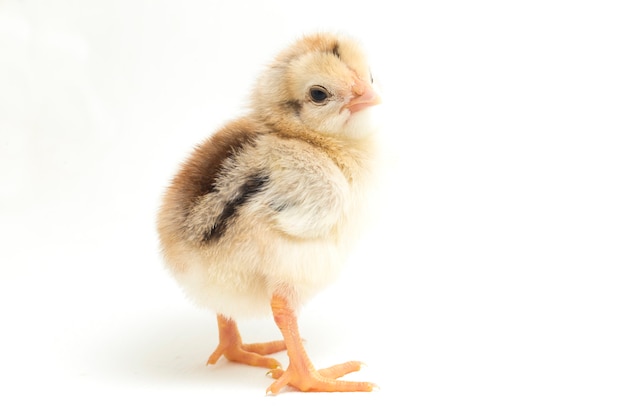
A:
349,155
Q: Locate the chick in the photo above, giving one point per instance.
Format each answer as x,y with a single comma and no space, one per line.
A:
263,213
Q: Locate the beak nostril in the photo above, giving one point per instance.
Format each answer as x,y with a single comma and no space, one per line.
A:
358,89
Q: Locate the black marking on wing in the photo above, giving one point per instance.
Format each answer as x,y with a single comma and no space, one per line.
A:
279,206
253,185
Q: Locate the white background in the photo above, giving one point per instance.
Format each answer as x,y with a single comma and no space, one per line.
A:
493,284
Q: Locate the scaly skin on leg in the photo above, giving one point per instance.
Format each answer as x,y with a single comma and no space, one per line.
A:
233,349
300,373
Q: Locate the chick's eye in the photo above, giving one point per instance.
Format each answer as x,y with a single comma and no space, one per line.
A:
319,94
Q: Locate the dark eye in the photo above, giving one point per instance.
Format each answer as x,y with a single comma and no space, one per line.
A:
319,94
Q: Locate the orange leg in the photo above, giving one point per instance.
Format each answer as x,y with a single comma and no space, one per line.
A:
301,374
233,349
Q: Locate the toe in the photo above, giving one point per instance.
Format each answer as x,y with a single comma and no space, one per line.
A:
340,370
251,358
266,348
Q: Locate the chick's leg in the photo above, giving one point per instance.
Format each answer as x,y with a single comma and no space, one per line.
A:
300,373
233,349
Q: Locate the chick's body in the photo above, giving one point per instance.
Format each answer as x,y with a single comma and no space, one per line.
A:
262,214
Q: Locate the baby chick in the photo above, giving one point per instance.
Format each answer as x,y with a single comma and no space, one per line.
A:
262,214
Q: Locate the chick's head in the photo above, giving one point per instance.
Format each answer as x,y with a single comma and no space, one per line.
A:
322,83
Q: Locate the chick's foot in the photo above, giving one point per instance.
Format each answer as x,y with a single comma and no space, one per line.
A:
231,347
300,373
323,380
